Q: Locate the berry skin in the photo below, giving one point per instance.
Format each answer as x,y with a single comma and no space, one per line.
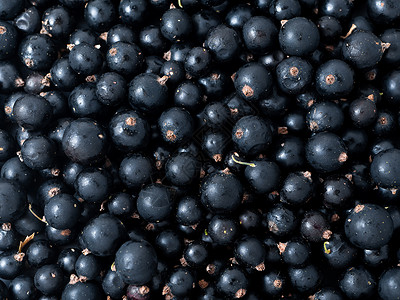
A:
329,28
32,112
340,9
189,211
188,95
135,170
28,21
357,283
253,82
129,131
83,101
83,36
391,55
390,87
280,220
384,169
338,252
233,283
100,14
133,12
148,93
8,40
10,79
175,25
259,34
297,188
362,112
384,12
62,211
103,235
22,286
334,79
197,62
298,36
85,59
250,252
12,201
37,52
203,20
180,283
263,176
222,230
328,294
284,9
296,252
389,283
155,203
7,146
57,21
87,266
315,227
176,125
273,283
221,193
363,49
369,226
40,253
305,279
93,185
63,76
326,152
84,141
136,262
223,42
111,89
238,15
324,116
113,285
49,279
290,154
82,291
294,74
251,135
337,192
182,169
121,33
38,152
125,58
11,265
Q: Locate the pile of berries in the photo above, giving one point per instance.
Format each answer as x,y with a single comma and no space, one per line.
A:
199,149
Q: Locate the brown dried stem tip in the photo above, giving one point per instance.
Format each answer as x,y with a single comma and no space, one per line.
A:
163,80
358,208
343,157
247,91
352,28
330,79
385,46
130,121
294,71
170,135
112,51
277,283
240,293
239,133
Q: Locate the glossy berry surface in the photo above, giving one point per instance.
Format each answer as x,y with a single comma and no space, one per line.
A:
199,149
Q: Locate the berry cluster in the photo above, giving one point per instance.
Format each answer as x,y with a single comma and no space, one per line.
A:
199,149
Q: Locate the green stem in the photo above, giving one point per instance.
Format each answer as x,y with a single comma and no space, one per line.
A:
243,163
